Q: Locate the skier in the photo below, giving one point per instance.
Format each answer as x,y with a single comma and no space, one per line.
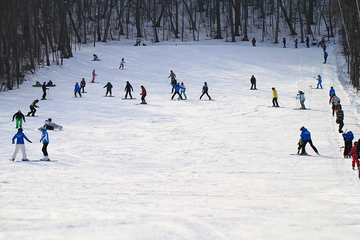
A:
275,97
173,79
348,137
319,82
306,138
301,96
94,75
137,42
32,108
253,83
253,41
335,101
122,63
143,94
340,118
177,91
296,42
205,91
45,140
182,90
44,88
95,58
108,87
19,118
19,136
83,84
355,159
128,89
307,42
332,91
325,56
284,42
77,89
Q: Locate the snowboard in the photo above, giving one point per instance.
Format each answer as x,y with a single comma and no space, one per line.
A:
34,161
274,107
302,108
128,98
300,154
109,96
93,82
30,116
46,99
141,104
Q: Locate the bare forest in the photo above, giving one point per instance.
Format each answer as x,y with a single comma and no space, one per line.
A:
38,33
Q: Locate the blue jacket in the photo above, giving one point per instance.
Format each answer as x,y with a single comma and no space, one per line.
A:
332,91
45,136
177,88
319,79
305,135
326,55
20,138
348,136
77,88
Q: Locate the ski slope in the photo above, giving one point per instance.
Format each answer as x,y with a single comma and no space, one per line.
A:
189,169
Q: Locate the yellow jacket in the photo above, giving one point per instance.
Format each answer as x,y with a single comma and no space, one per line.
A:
275,93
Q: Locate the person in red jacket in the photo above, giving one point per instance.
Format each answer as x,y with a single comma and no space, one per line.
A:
353,153
143,94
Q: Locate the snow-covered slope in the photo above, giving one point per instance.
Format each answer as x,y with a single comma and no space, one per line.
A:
189,169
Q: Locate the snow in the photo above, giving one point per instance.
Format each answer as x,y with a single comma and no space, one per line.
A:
189,169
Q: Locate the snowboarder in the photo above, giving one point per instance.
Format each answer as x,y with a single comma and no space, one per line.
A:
45,140
137,42
50,84
77,89
50,125
253,83
122,63
82,85
325,56
296,42
95,58
182,90
340,118
348,137
205,90
355,158
177,91
19,136
306,138
307,42
301,96
128,89
19,118
284,42
275,97
319,82
108,87
143,94
335,101
253,41
94,75
44,88
33,107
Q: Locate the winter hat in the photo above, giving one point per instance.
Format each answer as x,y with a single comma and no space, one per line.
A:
302,128
20,129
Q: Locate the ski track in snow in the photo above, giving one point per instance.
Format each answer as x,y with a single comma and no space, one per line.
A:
182,169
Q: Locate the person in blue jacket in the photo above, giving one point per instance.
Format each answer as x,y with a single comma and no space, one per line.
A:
348,137
177,88
19,136
77,89
331,92
301,97
325,56
319,82
306,138
45,140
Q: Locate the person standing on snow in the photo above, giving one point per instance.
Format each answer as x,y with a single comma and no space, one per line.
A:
340,118
253,41
45,140
77,89
355,158
319,82
302,99
253,83
122,63
182,90
108,87
306,138
94,75
19,118
128,89
173,79
205,91
284,42
19,136
348,137
143,94
275,97
32,108
177,91
325,56
296,42
307,42
332,91
82,85
44,88
335,101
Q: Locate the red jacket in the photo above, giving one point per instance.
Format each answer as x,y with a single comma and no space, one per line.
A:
143,91
353,152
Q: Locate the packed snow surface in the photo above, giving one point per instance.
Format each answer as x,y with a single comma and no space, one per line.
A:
188,169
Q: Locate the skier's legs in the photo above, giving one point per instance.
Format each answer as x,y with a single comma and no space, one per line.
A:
201,96
302,104
179,95
341,125
173,95
44,95
44,149
303,151
208,96
313,147
17,148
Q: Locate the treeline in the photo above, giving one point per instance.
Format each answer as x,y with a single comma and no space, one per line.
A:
37,33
